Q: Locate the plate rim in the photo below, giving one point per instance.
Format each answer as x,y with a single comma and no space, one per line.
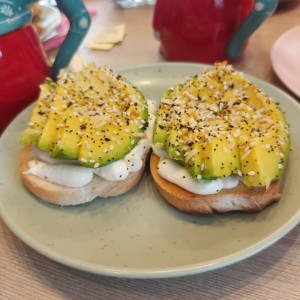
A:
274,60
149,273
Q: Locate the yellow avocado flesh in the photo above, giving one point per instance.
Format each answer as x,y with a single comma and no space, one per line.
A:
55,122
95,117
175,147
102,146
69,138
220,158
236,128
160,130
40,114
263,161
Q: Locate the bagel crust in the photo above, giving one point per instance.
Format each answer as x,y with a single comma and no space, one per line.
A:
63,195
240,198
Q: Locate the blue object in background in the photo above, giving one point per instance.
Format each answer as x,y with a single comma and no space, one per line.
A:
17,13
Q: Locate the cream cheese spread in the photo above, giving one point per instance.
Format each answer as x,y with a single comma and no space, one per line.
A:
177,174
132,162
68,175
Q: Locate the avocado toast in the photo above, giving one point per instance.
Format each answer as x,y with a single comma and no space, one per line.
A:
87,137
226,140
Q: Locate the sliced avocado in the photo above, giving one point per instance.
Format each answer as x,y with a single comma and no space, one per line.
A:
231,120
174,143
55,121
163,118
264,153
262,160
70,138
95,116
107,144
40,114
193,163
220,157
160,130
48,138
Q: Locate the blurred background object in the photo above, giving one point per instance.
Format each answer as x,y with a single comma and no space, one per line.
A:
207,31
48,2
36,19
133,3
23,62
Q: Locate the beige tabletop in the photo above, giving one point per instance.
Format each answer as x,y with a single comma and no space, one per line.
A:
273,273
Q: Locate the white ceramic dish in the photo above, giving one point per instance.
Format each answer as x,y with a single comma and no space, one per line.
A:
285,59
50,19
138,235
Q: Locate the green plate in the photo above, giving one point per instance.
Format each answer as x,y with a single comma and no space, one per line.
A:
138,235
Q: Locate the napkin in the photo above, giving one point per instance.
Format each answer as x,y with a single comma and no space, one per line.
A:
107,37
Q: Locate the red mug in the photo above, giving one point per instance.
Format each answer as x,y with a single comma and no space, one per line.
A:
26,67
23,62
207,31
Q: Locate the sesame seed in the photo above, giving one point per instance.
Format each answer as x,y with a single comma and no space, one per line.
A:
237,133
247,153
251,173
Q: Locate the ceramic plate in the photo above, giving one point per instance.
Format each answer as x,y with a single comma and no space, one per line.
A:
285,59
50,19
138,235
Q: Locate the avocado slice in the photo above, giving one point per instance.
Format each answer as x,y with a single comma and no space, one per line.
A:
70,138
54,123
160,130
162,118
262,160
220,157
193,162
40,113
174,143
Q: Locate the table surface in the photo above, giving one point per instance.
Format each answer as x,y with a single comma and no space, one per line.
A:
273,273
